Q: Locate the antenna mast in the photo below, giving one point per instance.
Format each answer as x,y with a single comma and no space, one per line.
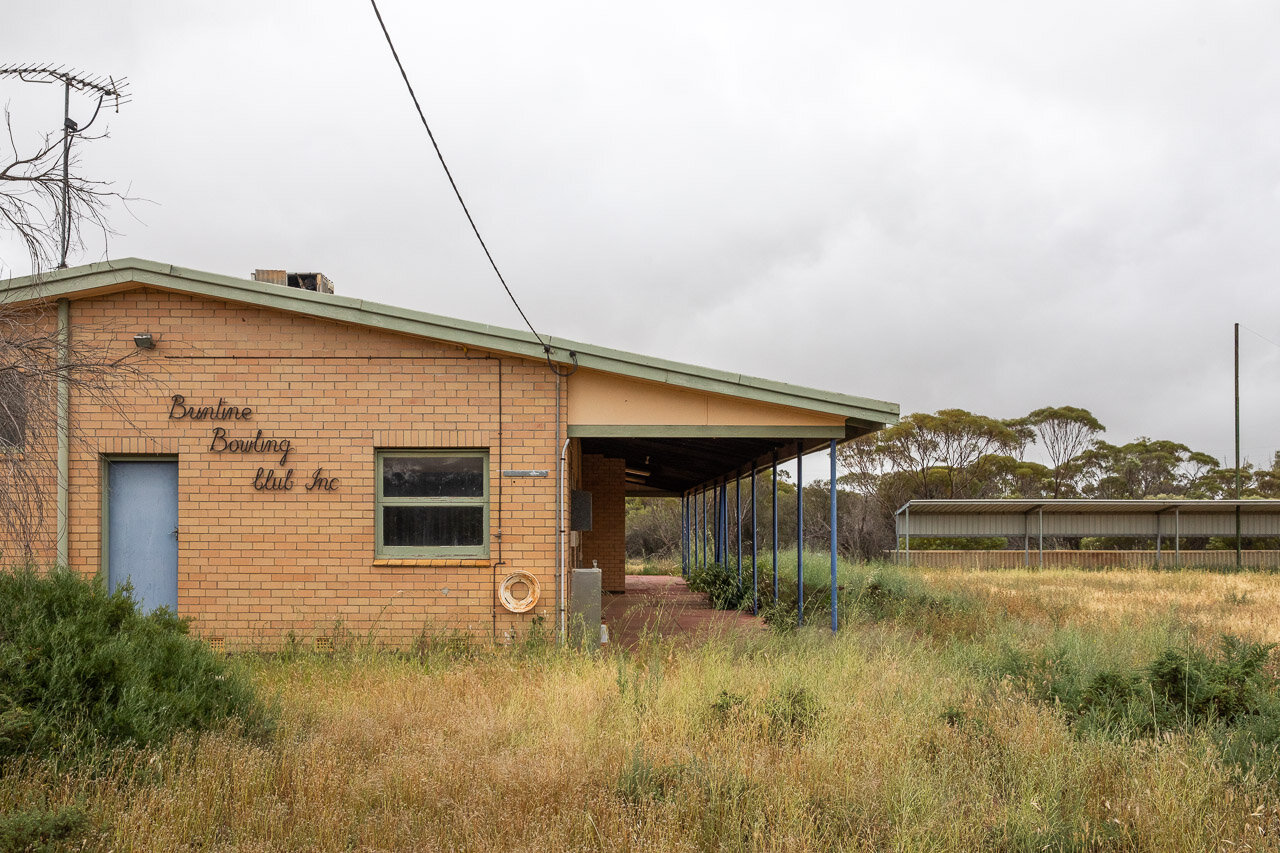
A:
70,79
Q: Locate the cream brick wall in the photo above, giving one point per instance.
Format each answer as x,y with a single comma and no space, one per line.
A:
605,543
256,565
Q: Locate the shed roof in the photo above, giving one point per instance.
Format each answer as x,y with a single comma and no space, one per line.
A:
1072,505
1133,518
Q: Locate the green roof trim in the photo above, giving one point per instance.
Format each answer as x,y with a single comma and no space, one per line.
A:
703,431
106,274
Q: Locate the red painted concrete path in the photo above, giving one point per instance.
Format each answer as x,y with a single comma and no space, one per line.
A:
663,605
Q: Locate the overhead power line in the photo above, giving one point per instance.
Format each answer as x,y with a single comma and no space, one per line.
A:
546,347
1259,334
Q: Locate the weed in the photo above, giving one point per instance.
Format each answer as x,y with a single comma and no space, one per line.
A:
82,671
1236,598
729,707
792,712
723,587
641,779
38,830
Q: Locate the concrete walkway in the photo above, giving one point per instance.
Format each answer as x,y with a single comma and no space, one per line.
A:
663,605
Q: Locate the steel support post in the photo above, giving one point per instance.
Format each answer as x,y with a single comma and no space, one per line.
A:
755,579
775,526
684,530
906,528
799,533
1158,543
737,522
702,528
724,523
834,624
1177,539
1040,514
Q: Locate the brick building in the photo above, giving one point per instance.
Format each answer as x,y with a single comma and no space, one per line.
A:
290,460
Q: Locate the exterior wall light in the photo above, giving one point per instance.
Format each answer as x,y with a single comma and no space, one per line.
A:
144,341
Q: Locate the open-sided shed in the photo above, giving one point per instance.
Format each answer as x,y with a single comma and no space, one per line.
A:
1033,520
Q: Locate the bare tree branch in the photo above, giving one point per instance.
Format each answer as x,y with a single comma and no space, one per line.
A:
31,199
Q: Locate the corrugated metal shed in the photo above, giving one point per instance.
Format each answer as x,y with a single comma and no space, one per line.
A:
1030,520
1145,519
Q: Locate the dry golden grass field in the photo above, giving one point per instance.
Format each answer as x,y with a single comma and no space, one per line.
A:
899,733
1246,604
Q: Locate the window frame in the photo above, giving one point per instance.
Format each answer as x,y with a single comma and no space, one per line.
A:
439,551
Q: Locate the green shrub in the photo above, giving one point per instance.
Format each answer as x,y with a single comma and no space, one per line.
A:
792,711
722,585
38,830
82,671
874,594
1183,686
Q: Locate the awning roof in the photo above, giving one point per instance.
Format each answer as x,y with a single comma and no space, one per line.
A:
675,465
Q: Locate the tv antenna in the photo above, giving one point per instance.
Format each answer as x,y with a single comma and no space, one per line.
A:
105,88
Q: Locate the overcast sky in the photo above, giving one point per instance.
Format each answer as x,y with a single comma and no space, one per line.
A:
988,205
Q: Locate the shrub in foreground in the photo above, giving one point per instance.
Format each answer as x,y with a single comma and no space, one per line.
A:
722,586
83,671
871,593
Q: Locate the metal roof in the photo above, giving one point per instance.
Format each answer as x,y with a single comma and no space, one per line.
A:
680,458
1059,505
864,414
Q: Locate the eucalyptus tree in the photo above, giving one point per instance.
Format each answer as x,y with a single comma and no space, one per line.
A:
1065,433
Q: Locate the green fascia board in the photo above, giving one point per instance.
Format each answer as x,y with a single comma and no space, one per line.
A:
702,431
104,274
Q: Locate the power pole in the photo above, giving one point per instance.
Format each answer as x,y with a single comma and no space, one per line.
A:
1237,360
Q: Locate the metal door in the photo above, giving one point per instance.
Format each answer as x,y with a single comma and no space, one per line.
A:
142,530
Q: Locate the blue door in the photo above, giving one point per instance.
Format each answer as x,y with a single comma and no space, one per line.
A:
142,530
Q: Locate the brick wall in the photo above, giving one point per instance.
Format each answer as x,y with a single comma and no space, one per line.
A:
606,541
255,565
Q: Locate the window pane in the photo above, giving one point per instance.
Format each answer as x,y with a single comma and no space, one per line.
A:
13,409
433,476
432,526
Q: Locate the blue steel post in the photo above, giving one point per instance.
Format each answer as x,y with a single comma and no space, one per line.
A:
688,534
834,623
716,533
724,523
684,534
799,533
755,580
702,528
721,520
697,538
775,527
737,522
707,545
711,525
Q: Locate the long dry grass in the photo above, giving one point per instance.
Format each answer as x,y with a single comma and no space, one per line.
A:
873,739
1246,604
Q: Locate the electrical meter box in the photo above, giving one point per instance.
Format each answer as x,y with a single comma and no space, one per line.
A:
584,609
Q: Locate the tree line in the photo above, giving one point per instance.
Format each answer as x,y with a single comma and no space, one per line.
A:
953,454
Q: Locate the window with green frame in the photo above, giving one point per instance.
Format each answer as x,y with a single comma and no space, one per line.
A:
433,503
